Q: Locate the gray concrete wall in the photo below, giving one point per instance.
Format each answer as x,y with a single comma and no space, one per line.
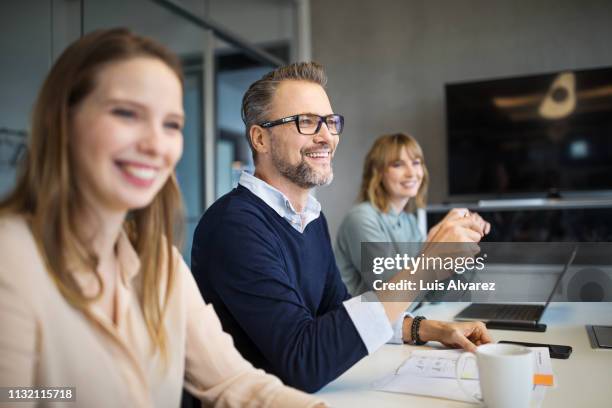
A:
388,61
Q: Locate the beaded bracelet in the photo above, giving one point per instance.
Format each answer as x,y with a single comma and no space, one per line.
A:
414,330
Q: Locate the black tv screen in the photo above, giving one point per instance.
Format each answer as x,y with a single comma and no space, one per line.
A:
533,135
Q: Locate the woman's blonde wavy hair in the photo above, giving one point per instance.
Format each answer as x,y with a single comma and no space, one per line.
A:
45,192
384,151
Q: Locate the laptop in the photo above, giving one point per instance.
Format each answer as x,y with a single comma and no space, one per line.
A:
509,316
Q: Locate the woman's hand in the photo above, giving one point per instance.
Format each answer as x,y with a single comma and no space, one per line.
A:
465,335
459,225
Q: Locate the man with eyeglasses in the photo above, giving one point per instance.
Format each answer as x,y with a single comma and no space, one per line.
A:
262,254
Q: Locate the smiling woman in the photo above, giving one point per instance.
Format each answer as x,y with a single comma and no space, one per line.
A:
127,133
395,180
87,262
394,183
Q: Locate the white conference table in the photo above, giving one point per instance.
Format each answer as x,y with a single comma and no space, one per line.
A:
583,380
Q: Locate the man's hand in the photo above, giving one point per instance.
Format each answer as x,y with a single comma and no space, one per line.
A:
465,335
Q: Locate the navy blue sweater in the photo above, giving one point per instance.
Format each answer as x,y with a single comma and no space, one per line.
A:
278,292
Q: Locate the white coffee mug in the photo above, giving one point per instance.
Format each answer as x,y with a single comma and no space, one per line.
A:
505,372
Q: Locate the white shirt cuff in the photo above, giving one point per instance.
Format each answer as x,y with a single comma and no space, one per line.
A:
398,332
370,320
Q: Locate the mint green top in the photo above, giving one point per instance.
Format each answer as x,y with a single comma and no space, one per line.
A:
365,223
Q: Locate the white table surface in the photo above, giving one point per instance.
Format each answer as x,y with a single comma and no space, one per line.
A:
584,380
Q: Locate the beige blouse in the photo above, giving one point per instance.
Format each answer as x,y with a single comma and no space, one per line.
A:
44,341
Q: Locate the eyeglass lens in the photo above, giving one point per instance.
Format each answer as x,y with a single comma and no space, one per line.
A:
310,124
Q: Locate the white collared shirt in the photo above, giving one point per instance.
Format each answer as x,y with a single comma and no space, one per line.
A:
280,203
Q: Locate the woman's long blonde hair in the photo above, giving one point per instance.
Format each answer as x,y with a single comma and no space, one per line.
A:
45,193
383,152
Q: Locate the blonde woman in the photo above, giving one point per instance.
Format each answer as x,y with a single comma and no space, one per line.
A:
93,294
394,184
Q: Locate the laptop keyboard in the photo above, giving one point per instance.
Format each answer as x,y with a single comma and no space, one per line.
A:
501,312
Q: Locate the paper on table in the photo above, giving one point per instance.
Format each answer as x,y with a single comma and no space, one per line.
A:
432,373
436,364
442,364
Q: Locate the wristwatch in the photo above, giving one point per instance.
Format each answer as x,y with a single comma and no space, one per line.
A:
414,331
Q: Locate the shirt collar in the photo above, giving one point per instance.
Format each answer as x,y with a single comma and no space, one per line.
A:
129,266
280,203
129,261
393,214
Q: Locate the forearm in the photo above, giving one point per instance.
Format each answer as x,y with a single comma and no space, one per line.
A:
318,352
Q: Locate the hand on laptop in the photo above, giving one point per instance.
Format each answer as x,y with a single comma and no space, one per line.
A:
465,335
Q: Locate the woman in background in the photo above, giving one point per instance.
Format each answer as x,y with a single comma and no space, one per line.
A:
93,294
393,186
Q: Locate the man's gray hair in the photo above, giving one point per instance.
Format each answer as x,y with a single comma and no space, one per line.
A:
258,98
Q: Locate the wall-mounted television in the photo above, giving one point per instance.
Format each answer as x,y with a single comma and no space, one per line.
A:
534,135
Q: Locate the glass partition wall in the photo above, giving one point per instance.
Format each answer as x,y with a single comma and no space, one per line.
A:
23,70
210,38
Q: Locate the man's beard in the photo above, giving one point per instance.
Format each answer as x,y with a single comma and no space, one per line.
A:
301,174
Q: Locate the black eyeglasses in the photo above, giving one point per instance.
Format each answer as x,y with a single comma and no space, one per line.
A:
310,124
